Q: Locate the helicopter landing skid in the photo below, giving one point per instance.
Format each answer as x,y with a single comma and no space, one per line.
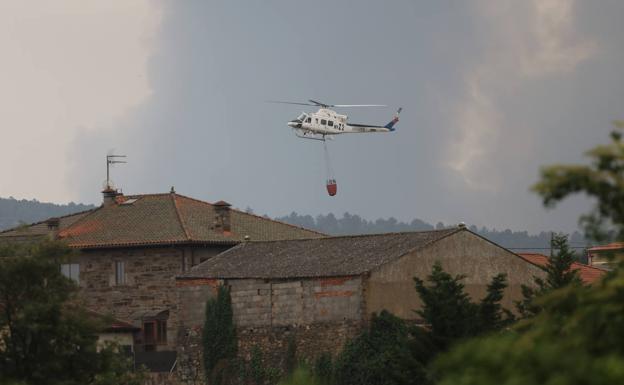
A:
310,135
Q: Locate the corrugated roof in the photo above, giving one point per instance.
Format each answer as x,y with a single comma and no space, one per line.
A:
324,257
588,274
163,219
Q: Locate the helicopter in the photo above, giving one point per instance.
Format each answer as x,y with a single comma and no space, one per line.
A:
325,123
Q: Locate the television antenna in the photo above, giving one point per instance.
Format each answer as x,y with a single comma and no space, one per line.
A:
112,159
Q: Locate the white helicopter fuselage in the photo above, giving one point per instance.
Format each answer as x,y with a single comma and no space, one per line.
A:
328,122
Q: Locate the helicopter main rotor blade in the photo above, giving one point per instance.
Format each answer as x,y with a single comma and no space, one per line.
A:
319,103
345,105
282,102
359,105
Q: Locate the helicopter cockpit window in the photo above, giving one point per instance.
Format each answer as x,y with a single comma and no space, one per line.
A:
301,117
309,120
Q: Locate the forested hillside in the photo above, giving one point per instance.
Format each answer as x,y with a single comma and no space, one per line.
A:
354,224
14,212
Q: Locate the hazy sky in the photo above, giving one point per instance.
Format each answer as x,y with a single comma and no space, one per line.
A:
491,90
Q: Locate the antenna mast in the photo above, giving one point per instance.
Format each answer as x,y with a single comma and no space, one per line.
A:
112,159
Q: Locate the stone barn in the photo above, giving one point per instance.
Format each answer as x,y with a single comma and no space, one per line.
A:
320,292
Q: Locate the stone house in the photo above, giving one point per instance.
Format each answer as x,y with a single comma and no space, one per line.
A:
129,250
320,292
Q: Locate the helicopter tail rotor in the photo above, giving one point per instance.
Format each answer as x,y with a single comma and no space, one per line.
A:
395,120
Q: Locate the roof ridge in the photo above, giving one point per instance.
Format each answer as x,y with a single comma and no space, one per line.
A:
45,220
179,216
145,195
450,230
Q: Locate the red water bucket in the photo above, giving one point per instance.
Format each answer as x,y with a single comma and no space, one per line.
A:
332,187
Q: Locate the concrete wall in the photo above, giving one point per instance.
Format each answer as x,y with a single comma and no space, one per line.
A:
391,286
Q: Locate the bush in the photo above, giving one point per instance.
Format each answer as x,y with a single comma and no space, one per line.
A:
323,368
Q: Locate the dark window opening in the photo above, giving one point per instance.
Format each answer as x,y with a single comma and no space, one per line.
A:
120,273
309,120
154,333
323,121
154,330
330,123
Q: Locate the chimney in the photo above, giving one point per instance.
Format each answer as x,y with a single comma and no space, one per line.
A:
222,215
110,195
53,227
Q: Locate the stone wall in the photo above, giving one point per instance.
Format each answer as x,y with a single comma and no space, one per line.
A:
149,282
318,315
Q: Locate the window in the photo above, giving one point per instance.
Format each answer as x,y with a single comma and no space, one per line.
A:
71,271
323,121
330,123
120,273
154,333
316,120
309,120
161,332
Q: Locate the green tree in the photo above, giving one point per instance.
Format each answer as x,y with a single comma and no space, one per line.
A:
324,368
492,315
559,274
451,314
380,355
46,338
575,339
602,179
219,336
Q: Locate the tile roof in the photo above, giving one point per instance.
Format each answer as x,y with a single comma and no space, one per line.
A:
41,228
165,219
609,247
111,324
324,257
588,274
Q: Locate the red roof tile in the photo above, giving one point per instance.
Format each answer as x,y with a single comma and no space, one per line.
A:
588,274
165,219
112,324
609,247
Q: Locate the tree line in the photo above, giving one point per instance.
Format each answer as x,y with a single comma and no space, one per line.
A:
14,212
352,224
